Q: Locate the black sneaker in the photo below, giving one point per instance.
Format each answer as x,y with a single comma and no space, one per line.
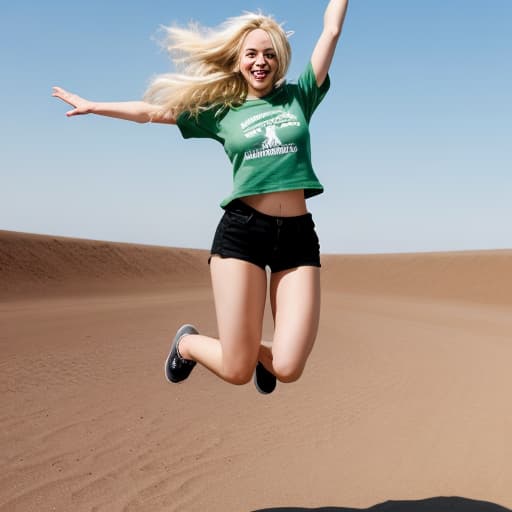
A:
264,380
176,367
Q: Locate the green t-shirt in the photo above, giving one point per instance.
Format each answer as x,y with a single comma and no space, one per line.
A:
267,139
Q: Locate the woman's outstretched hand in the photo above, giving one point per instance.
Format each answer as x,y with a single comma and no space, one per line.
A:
137,111
81,105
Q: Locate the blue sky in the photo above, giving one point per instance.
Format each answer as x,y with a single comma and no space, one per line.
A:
413,142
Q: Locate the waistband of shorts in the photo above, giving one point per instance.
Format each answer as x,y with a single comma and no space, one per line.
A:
240,206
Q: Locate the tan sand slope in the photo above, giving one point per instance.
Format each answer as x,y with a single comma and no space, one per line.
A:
37,264
405,397
477,276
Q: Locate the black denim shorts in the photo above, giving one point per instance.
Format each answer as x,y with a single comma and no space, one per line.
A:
280,243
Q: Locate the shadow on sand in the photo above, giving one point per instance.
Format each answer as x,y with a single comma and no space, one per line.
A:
440,504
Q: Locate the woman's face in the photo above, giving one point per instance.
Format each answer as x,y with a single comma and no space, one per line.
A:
258,63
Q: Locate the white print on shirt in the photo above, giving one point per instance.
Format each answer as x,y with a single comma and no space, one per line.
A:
267,124
271,138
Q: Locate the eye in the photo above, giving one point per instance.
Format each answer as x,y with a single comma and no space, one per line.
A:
270,55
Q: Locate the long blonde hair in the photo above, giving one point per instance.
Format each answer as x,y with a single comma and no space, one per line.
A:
207,64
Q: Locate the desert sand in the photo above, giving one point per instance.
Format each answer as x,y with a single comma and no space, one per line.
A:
405,399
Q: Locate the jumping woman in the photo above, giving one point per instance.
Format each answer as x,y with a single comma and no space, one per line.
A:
231,87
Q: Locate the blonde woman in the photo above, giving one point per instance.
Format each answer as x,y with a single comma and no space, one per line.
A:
231,88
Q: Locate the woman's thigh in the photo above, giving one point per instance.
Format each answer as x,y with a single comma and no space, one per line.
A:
239,290
295,299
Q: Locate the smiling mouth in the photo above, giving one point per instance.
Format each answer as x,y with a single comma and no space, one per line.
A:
259,74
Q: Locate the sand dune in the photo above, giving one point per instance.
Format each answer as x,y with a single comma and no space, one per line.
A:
405,398
36,264
476,276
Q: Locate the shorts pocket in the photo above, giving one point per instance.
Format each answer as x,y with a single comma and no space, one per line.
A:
239,217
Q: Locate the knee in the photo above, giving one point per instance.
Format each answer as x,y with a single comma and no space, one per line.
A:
238,375
287,371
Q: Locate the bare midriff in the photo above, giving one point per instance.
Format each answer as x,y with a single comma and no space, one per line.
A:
290,203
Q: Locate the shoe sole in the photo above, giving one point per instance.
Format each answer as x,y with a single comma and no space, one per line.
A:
260,390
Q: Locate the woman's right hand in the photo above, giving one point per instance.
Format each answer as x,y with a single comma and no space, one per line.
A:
81,105
137,111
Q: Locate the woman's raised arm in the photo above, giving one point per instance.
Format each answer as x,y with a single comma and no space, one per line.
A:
326,45
137,111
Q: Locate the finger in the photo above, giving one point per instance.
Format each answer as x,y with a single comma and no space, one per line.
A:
71,99
58,91
63,94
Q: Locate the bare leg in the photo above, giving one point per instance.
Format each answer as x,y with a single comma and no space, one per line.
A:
295,299
239,290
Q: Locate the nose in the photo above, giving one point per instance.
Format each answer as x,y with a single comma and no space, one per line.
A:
260,60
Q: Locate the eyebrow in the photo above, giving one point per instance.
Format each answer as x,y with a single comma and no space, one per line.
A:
255,50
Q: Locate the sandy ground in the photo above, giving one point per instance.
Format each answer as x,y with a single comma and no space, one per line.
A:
405,398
